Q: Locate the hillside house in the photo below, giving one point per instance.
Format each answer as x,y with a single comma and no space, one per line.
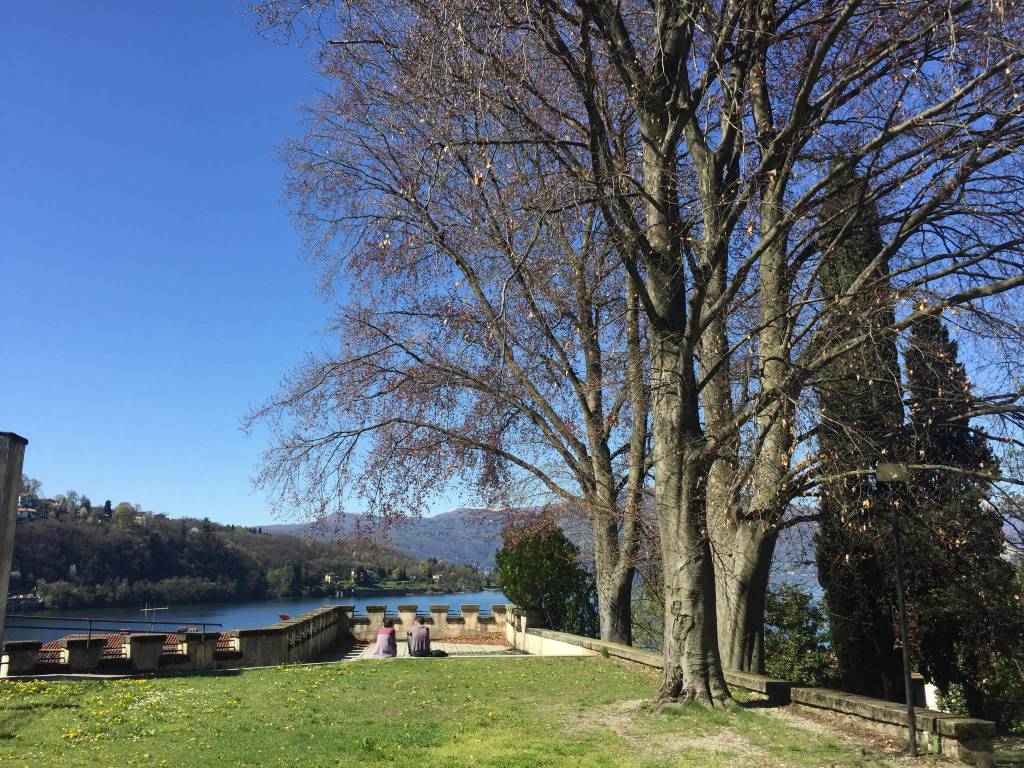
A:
27,508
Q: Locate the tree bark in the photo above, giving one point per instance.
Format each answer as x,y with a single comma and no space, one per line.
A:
692,671
614,605
743,559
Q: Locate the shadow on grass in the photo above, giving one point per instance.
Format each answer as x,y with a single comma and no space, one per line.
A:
39,705
1009,750
760,704
13,717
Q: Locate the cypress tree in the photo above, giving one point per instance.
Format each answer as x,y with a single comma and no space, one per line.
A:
861,413
960,590
959,583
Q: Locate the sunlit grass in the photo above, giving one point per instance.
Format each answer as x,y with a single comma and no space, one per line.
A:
505,713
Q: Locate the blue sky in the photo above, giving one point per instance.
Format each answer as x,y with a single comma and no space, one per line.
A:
153,287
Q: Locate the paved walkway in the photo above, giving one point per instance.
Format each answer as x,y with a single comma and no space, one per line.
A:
452,649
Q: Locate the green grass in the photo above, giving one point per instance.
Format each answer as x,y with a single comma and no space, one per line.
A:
1009,749
503,713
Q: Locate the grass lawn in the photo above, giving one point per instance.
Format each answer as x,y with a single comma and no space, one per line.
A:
504,713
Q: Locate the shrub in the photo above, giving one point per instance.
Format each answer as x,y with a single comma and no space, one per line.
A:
796,639
541,570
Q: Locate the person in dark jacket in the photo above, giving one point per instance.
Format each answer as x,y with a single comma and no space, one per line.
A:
419,638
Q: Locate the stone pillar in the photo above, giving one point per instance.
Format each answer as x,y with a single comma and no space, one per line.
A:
200,647
471,619
20,657
83,654
498,612
439,616
346,628
407,615
12,455
376,616
144,651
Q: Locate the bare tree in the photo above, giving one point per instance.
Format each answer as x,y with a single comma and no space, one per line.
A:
746,113
706,136
490,335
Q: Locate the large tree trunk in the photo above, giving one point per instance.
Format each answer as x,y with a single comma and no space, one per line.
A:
613,563
743,559
742,547
614,605
615,530
692,671
614,522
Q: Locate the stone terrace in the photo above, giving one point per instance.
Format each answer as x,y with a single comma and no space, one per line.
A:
320,633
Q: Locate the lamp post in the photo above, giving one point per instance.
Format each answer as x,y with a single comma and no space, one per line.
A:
891,474
12,454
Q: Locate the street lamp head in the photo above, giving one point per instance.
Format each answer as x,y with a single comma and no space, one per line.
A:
891,472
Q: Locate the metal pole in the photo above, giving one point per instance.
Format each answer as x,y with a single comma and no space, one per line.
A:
904,634
12,455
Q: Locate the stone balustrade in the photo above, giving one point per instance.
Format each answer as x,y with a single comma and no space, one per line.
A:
443,625
300,639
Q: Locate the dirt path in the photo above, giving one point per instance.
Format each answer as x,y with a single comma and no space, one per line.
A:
755,735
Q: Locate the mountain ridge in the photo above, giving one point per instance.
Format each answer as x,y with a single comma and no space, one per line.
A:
464,535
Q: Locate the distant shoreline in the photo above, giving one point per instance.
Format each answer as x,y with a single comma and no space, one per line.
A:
394,592
23,604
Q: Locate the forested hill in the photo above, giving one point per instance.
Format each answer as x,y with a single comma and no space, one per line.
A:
469,536
85,563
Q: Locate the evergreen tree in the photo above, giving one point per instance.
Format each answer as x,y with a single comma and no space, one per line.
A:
959,589
541,570
861,412
796,638
959,585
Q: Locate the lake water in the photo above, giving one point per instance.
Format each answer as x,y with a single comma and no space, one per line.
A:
43,625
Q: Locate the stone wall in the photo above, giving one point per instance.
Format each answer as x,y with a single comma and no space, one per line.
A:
301,639
965,739
542,642
443,626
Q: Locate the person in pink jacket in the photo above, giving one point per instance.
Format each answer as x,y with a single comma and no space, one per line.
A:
386,647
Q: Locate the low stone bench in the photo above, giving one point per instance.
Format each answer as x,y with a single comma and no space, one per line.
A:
778,691
962,738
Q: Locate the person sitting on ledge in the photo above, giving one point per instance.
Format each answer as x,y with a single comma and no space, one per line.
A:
386,647
419,638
